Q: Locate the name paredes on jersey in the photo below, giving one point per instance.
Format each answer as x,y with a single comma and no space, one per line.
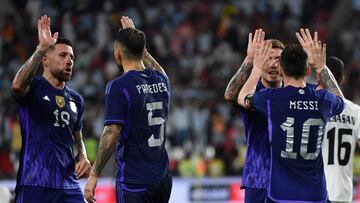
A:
151,88
343,118
304,105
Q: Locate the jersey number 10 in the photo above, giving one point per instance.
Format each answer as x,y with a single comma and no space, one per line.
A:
288,127
152,121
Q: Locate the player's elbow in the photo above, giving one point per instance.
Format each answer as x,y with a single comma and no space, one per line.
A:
228,96
17,89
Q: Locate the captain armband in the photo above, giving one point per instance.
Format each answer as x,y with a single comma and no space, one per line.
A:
249,101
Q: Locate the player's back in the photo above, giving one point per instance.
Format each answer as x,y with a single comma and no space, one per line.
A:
143,97
341,135
296,118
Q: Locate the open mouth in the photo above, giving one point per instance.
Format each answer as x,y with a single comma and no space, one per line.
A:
68,70
273,72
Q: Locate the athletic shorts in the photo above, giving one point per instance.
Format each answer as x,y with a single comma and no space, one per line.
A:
255,195
157,193
30,194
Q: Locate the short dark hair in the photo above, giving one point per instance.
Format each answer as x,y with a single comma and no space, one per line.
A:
293,61
336,67
277,44
133,41
63,41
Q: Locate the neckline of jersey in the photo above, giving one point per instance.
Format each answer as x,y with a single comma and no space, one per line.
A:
50,85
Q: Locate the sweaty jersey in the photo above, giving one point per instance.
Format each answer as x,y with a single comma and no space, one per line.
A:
257,161
139,102
341,136
48,119
296,120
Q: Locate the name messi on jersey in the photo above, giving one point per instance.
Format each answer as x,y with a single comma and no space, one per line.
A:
342,118
304,105
151,88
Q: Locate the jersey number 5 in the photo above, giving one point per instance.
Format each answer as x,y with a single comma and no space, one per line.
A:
288,127
152,121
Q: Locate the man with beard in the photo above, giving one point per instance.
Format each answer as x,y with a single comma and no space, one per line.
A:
136,112
51,119
255,177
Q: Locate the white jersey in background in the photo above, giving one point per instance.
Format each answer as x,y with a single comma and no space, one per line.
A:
340,138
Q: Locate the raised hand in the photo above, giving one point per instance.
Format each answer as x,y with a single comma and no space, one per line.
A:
259,37
127,22
305,39
262,55
318,54
46,39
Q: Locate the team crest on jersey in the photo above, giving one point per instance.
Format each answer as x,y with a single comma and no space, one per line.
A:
60,101
73,107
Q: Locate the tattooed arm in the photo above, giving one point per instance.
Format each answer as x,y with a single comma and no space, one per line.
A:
150,62
107,146
108,141
23,78
240,77
237,81
82,166
329,82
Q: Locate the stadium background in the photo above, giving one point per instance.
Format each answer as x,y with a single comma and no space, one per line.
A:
200,43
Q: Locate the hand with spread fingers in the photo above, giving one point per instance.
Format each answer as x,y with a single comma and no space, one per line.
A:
305,39
253,42
46,39
318,54
261,57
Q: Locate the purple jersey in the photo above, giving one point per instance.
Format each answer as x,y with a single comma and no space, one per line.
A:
296,119
139,101
48,119
257,161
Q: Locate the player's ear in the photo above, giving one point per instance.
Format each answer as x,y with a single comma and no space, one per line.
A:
117,54
45,61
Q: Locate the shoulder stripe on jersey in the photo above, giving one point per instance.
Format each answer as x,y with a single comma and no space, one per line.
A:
108,87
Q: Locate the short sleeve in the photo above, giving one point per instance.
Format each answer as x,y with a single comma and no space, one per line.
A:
259,100
117,104
79,122
334,104
21,101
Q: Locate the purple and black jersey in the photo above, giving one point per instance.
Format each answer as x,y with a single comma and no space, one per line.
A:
48,119
296,120
139,102
257,161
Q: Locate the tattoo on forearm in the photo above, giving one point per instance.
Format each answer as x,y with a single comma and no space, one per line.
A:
80,146
237,81
150,62
106,148
28,71
329,82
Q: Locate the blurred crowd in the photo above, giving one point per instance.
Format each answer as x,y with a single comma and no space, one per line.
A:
200,44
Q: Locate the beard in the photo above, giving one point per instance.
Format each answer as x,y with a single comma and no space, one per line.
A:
62,75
